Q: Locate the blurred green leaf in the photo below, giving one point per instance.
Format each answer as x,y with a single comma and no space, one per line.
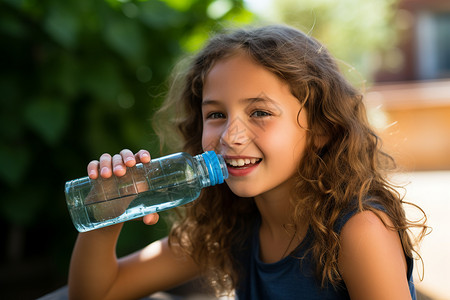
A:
158,15
13,27
102,80
66,76
195,41
15,3
62,24
48,118
14,163
11,123
124,36
180,5
22,207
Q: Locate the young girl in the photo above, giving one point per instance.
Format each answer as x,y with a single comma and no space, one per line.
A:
306,212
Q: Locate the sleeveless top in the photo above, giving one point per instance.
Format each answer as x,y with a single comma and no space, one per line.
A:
291,277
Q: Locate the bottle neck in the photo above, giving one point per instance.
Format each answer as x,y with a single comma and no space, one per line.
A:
212,168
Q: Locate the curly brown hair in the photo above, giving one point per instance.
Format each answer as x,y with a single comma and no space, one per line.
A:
343,167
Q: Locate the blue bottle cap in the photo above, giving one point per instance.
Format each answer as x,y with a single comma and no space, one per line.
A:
214,168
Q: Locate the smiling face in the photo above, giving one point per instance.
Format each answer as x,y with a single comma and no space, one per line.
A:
251,117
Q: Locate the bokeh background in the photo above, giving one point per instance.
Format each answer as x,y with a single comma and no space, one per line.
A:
80,78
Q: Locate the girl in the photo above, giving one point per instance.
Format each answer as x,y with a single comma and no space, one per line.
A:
306,212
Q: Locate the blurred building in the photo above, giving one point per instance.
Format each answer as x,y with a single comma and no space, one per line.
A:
410,104
411,98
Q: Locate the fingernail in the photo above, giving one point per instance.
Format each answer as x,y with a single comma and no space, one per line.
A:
129,159
92,173
118,167
104,171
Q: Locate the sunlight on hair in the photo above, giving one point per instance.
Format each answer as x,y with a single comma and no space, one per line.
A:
375,113
352,74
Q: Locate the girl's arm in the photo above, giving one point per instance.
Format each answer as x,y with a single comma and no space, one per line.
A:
96,273
372,261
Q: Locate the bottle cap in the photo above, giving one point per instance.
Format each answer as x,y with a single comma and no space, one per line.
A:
214,167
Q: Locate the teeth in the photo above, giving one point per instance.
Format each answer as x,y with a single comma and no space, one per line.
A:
240,162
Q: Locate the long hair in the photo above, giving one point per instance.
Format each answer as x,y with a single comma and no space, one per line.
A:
343,166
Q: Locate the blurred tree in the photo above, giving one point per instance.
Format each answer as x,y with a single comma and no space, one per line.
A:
79,78
355,31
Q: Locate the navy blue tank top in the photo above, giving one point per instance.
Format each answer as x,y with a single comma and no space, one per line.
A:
291,277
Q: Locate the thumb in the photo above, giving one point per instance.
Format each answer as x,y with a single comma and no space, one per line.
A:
151,219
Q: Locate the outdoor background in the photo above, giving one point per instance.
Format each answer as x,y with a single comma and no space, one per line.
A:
80,78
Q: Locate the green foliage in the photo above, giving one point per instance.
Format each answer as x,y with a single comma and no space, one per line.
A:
355,31
80,78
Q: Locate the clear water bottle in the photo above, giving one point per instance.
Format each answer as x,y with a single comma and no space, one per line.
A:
164,183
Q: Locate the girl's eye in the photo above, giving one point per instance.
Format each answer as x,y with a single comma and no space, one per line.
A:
215,115
260,113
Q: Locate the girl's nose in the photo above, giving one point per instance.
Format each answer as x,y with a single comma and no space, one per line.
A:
235,134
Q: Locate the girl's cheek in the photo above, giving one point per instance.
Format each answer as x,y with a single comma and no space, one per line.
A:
210,140
264,127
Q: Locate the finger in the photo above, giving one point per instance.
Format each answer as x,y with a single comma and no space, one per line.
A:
105,165
128,157
92,169
119,168
143,156
151,219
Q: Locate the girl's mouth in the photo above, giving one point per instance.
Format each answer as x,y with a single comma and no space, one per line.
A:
242,162
239,167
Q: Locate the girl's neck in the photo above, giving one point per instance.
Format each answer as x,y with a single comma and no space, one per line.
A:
275,213
278,234
276,209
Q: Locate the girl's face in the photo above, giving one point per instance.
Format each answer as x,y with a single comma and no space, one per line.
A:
252,119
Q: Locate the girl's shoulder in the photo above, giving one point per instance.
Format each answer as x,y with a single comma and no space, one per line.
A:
353,210
372,252
367,226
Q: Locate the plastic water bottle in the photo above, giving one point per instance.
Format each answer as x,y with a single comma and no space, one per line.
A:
164,183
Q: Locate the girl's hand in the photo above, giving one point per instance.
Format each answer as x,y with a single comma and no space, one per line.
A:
106,166
116,164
